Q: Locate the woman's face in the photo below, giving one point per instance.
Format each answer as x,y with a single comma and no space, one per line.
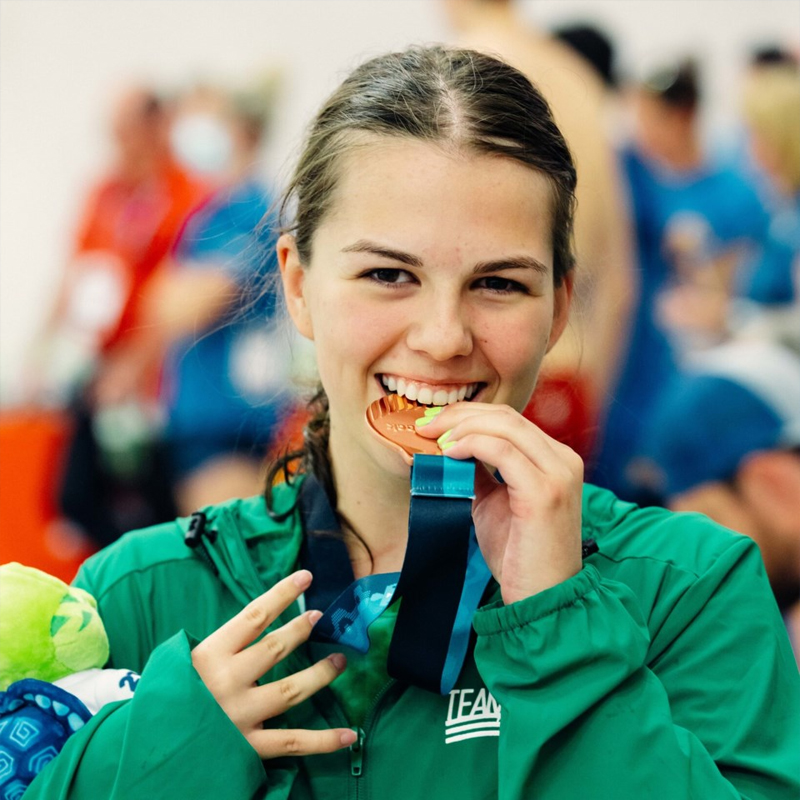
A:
432,276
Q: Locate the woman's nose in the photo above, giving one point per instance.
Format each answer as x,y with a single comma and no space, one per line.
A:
441,329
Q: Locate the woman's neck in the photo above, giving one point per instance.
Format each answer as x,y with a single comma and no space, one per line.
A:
376,505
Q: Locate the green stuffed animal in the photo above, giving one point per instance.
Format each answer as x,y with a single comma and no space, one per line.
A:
48,630
52,648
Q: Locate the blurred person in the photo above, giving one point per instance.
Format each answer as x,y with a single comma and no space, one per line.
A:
226,387
94,353
597,48
201,135
695,223
594,45
771,287
130,221
734,145
773,55
724,440
578,374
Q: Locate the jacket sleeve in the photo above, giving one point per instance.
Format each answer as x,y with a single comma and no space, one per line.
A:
170,740
587,711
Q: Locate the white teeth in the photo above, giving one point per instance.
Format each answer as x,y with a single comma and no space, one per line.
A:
425,396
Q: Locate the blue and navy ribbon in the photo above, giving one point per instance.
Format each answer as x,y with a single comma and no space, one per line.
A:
441,583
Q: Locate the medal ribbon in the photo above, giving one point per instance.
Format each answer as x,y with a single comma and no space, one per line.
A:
441,583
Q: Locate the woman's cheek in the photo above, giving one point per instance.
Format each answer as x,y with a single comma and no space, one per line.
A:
363,330
517,359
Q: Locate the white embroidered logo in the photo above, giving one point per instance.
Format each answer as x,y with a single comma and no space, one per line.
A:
469,717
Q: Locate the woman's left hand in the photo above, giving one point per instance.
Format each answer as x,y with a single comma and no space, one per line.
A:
529,525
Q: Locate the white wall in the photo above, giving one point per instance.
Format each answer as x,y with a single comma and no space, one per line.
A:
61,60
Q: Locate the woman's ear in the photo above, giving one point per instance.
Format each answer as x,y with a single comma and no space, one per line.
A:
562,300
293,276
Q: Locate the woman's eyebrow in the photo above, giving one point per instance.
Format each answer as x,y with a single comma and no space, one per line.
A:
514,262
482,268
365,246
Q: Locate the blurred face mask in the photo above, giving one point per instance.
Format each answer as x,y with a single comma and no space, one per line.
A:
202,143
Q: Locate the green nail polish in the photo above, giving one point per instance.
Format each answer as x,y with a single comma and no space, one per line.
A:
443,438
447,445
420,421
432,411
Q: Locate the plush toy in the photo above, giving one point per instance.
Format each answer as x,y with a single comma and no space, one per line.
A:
47,629
52,647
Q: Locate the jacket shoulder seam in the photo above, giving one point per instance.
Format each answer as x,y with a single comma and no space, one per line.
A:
129,573
739,542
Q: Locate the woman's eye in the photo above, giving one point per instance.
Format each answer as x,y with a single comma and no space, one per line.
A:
388,276
500,285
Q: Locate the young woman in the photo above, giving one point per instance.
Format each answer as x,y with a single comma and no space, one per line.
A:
429,255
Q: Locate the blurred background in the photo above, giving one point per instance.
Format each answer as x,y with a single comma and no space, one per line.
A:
62,61
143,368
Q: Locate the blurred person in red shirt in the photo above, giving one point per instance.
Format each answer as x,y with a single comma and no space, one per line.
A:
129,223
95,354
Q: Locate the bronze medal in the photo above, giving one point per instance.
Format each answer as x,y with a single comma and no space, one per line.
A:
392,418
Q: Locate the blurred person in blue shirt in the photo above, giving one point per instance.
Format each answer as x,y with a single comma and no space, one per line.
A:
724,440
226,385
696,222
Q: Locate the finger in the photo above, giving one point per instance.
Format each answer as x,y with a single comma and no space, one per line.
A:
278,743
529,486
258,615
262,656
275,698
441,418
498,453
506,424
485,481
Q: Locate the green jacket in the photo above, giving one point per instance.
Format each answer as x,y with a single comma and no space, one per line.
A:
662,670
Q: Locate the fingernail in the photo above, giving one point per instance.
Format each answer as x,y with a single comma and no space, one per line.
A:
314,617
348,737
447,446
432,411
420,421
302,579
443,438
338,660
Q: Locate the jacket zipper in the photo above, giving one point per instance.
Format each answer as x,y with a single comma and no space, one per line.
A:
358,747
357,753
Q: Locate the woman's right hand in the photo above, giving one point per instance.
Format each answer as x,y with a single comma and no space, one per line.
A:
230,666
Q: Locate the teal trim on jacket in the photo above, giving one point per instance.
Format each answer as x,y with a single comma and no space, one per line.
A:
661,670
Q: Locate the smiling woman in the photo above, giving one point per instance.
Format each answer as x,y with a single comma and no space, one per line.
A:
590,647
444,258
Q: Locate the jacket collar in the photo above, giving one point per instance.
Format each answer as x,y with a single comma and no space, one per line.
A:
251,549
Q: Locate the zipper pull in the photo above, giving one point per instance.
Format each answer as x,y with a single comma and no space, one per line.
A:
357,754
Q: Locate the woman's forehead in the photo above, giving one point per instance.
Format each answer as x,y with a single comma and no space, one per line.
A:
396,180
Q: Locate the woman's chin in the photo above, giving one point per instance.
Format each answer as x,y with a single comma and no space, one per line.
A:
376,458
391,462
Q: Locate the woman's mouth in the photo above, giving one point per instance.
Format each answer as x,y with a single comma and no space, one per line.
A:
427,394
